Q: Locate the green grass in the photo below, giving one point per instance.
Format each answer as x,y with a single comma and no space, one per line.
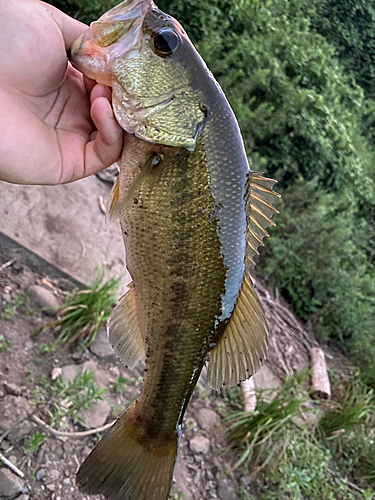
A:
293,459
120,384
257,433
83,314
4,344
20,301
304,469
60,402
356,406
32,443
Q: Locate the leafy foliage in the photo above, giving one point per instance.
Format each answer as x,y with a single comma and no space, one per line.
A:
319,258
20,301
67,401
32,443
84,10
296,74
293,458
349,27
4,344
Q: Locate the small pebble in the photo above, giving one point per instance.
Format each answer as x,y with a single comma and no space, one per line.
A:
54,474
56,372
66,481
40,474
6,297
29,344
41,298
199,444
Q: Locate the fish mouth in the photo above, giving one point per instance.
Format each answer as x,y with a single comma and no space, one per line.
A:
113,35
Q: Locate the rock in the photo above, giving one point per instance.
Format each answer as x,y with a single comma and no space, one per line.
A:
225,491
41,298
40,474
29,344
6,297
100,412
206,418
109,174
101,346
13,410
56,372
54,474
98,415
24,497
246,480
12,389
265,380
66,481
101,377
199,444
69,372
10,484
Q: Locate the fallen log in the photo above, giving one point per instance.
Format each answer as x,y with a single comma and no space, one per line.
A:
320,380
249,394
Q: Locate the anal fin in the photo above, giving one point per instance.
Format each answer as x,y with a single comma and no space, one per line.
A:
124,332
242,347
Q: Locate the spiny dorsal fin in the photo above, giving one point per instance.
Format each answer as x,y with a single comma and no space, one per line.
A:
259,208
242,348
124,332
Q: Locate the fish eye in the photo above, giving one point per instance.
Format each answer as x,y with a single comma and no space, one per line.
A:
165,42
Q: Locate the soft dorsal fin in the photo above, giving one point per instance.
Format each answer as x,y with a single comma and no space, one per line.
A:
124,332
259,209
242,348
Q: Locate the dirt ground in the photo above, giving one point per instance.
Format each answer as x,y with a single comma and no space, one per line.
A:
49,471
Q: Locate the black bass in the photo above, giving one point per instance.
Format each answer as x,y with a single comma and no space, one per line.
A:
192,216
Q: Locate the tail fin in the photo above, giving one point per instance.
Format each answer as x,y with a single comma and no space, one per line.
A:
124,467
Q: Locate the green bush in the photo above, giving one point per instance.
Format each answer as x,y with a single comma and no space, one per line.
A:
306,122
318,257
84,10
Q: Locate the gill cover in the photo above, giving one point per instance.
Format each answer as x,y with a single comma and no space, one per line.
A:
152,66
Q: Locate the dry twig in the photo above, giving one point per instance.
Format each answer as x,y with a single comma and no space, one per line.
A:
11,466
71,434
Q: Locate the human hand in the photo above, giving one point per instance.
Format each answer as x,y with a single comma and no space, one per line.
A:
46,133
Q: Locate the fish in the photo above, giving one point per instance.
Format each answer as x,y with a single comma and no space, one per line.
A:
192,215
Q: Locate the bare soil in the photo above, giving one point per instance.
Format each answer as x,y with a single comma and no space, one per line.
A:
50,471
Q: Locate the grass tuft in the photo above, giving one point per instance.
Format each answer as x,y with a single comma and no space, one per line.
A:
83,314
32,443
61,402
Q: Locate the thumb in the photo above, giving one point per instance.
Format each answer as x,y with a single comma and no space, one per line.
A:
70,27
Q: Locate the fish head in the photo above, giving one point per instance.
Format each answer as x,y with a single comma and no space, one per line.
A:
153,68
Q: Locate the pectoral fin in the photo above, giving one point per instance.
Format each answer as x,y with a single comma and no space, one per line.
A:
242,348
124,332
113,199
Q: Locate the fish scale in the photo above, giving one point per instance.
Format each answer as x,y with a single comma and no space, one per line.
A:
188,272
192,216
